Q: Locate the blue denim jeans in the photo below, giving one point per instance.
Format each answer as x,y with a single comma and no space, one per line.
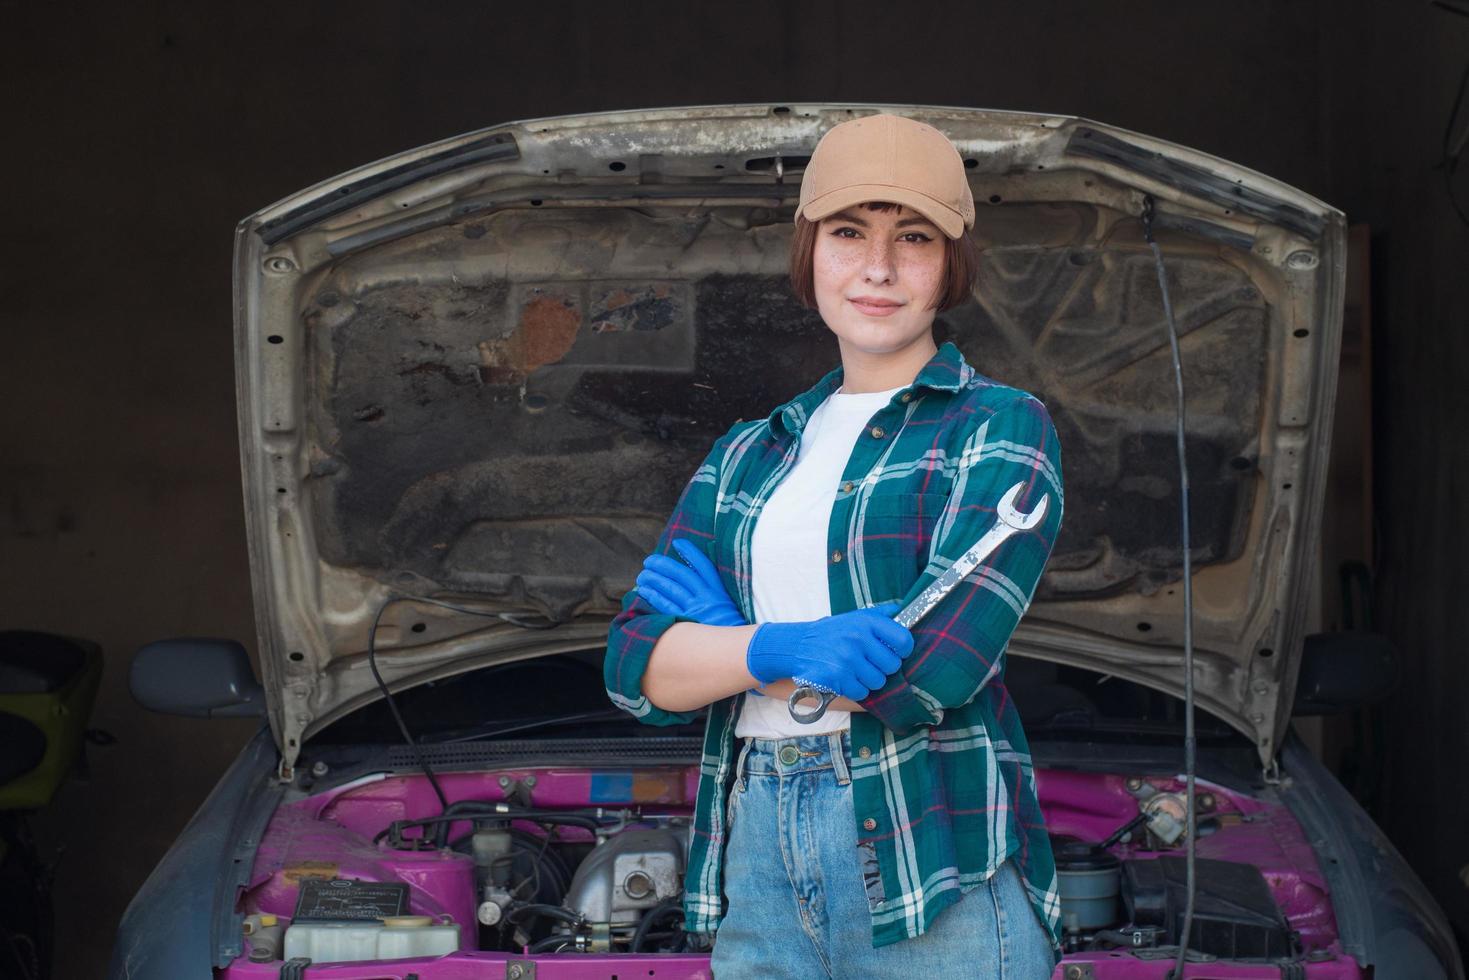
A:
797,906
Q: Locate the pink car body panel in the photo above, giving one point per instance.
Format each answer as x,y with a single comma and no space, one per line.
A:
331,834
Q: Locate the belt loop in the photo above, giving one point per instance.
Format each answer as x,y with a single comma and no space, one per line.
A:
739,770
839,758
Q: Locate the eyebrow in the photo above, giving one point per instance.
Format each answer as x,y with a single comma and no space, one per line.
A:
847,215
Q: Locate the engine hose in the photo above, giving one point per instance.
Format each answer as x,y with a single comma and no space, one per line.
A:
501,811
539,816
548,870
492,809
442,822
549,873
556,817
1115,938
552,944
549,911
645,926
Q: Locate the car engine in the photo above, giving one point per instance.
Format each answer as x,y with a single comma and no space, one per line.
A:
630,881
585,864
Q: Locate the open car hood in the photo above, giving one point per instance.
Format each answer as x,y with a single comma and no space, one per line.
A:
483,370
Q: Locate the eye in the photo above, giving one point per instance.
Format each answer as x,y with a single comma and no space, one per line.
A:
917,237
840,232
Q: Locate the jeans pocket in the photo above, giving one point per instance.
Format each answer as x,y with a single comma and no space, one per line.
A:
729,808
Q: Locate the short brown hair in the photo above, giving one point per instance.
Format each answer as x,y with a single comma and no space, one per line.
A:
961,263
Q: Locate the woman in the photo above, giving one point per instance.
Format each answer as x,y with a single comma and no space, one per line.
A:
837,848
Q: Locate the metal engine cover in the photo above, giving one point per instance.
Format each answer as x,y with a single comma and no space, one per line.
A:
630,873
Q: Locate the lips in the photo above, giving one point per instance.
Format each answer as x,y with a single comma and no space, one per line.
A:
875,306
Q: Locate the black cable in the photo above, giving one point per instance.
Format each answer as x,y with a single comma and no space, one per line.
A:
535,868
24,954
446,819
500,810
1123,831
548,869
552,944
1190,744
388,695
1450,161
393,705
645,925
547,911
544,862
455,812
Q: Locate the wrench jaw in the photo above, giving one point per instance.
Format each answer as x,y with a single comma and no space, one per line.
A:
809,692
1008,520
1007,512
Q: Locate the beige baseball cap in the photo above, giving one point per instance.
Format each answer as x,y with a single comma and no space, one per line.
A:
888,158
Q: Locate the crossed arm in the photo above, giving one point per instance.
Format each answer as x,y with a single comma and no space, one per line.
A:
694,664
663,663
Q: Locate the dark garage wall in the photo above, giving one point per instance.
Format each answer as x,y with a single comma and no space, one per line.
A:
1389,86
141,133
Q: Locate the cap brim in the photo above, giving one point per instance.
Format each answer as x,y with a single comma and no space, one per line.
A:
949,221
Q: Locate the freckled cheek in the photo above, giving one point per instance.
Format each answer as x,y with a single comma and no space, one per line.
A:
835,264
832,269
921,275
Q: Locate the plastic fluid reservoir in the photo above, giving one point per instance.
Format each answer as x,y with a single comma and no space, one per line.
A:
397,937
1089,879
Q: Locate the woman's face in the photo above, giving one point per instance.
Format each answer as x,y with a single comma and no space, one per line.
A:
876,274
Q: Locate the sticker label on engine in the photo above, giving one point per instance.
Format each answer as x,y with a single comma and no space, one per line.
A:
348,900
296,873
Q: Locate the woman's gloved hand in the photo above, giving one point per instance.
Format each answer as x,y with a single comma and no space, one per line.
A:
851,653
691,590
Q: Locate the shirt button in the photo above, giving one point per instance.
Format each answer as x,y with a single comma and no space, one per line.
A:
869,824
906,396
877,432
836,557
847,487
864,753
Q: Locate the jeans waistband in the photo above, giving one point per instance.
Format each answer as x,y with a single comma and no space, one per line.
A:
796,754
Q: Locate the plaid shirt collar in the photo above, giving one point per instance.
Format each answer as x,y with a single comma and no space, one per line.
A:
946,370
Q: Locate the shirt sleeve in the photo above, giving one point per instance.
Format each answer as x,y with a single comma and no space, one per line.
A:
959,646
636,629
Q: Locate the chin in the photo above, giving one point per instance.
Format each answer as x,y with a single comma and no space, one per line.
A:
878,338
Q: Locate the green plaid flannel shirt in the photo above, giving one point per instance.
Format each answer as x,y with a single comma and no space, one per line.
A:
942,782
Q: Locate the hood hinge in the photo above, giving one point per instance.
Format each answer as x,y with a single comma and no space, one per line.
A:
1271,774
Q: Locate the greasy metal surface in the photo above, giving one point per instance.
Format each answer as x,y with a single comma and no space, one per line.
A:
498,146
485,434
600,890
328,834
459,388
1089,142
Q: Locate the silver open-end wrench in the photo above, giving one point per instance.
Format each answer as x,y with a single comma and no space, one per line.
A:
1008,520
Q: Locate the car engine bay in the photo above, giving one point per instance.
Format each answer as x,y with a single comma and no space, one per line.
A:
583,864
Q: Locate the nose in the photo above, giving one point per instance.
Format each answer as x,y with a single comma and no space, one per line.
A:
878,266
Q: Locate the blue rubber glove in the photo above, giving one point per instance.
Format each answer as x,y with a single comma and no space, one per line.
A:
689,588
850,653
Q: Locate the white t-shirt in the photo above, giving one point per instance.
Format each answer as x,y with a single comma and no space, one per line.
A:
789,549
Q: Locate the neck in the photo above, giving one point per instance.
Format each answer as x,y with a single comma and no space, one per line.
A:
864,371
